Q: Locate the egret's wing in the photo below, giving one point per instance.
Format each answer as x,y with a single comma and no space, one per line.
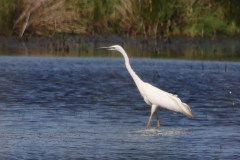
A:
175,98
160,98
166,100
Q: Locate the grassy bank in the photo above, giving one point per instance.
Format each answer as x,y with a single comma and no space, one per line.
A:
138,18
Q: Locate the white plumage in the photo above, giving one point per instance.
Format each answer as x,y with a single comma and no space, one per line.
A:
153,96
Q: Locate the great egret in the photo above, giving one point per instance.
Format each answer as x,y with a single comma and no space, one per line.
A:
153,96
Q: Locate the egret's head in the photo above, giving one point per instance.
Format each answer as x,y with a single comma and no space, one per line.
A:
113,48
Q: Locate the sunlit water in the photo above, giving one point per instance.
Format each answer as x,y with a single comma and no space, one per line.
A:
69,108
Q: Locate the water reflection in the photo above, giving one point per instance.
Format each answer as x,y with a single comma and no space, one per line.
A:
221,49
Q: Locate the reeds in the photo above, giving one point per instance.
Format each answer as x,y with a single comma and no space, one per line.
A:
44,17
145,18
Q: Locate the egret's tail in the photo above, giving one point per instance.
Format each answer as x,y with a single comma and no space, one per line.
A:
189,115
187,111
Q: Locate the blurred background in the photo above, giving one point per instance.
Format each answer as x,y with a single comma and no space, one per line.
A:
137,18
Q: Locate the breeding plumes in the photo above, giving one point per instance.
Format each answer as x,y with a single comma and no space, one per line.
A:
153,96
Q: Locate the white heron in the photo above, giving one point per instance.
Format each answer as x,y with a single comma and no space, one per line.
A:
153,96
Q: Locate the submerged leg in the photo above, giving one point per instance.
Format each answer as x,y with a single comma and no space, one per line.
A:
157,120
154,107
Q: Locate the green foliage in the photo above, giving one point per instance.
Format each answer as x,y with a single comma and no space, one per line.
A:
145,18
154,18
233,29
7,8
206,19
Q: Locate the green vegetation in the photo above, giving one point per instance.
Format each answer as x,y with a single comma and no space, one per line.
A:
7,8
138,18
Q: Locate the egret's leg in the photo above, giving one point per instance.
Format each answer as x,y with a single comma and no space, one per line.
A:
154,107
149,120
157,120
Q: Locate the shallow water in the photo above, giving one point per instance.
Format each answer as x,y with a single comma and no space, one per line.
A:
69,108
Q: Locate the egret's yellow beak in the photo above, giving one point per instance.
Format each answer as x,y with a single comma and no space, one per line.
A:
107,48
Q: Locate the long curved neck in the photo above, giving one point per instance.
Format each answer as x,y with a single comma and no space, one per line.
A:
136,79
